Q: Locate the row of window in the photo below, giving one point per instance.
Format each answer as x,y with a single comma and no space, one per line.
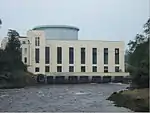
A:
71,69
71,55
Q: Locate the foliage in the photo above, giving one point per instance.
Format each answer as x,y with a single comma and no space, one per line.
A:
0,21
10,59
138,57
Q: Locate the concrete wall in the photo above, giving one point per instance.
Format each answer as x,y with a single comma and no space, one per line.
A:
100,45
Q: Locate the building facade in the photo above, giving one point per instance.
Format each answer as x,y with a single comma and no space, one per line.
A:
51,49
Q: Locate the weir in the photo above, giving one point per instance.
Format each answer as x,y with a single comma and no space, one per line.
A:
79,78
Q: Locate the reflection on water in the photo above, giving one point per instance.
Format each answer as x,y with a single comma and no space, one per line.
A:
67,98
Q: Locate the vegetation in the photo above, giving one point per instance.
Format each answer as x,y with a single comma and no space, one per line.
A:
137,100
138,58
137,63
12,70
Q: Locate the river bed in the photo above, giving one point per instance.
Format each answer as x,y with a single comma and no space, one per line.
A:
61,98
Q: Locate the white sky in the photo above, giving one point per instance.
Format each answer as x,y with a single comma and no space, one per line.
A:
97,19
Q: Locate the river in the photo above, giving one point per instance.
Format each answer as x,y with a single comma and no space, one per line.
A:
61,98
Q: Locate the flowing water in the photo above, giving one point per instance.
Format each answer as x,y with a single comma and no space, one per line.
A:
65,98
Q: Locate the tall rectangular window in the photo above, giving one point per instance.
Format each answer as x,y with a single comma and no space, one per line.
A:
116,68
105,69
37,41
105,55
94,68
82,55
37,55
25,59
94,55
71,55
46,68
59,68
47,55
71,68
116,55
82,68
59,55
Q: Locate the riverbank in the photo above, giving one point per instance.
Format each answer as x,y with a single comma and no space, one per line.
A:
20,80
135,99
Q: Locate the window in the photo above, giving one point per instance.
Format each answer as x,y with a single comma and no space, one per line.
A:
46,68
37,69
21,50
71,68
82,68
94,54
23,42
71,55
47,55
116,55
25,59
117,69
105,55
37,55
105,69
25,50
59,69
37,41
94,68
82,55
59,55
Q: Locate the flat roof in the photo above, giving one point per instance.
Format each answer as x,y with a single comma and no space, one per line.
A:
55,26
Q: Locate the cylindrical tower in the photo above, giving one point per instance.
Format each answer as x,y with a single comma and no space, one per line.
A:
59,32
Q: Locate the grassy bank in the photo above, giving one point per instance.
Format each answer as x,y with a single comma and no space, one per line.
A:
136,99
17,79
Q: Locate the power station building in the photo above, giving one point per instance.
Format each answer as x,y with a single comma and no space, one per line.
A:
56,49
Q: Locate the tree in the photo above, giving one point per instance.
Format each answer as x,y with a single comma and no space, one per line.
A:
12,51
139,57
0,21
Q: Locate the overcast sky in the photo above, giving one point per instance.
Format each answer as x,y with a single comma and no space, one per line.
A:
96,19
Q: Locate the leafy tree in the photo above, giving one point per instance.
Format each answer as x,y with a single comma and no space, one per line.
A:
0,21
12,51
139,57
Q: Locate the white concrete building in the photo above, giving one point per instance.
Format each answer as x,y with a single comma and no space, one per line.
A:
51,49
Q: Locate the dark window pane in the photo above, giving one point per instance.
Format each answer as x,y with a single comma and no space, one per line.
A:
37,69
47,55
59,55
38,41
105,55
46,68
82,55
82,68
105,69
23,42
59,69
94,68
71,55
116,55
71,68
116,68
37,55
25,59
94,54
